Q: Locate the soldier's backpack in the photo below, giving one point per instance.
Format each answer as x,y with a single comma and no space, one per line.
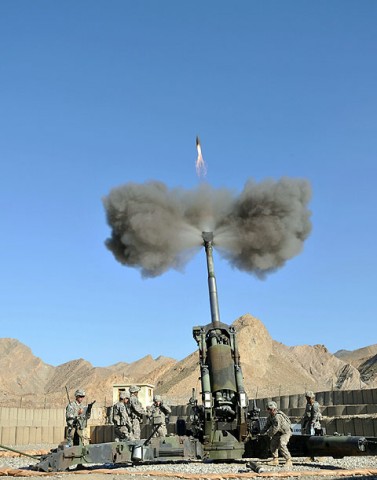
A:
286,422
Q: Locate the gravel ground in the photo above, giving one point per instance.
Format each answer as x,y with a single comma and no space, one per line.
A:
327,467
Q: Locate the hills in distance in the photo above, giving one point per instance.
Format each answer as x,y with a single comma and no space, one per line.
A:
270,368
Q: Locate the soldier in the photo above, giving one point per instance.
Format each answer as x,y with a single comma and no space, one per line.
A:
121,418
157,414
278,428
77,417
311,421
136,411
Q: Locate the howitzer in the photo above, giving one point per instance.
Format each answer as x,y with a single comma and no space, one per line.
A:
223,420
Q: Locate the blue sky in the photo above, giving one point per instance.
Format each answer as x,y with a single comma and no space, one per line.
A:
95,94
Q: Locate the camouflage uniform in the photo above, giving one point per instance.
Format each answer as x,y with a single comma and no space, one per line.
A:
76,422
136,412
312,416
157,413
278,428
122,420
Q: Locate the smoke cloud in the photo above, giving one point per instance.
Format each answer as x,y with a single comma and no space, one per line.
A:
155,229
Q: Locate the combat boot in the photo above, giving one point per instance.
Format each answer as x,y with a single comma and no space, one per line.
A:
274,462
288,463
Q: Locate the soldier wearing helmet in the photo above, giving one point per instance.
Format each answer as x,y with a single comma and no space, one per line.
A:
278,428
158,414
121,418
311,421
136,411
76,417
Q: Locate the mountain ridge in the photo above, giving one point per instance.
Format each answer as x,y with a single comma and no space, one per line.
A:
270,368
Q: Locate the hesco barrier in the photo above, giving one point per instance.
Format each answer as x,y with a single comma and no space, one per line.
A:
23,426
326,399
337,406
354,415
31,435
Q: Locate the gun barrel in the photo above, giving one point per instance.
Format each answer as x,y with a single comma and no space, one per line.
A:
337,446
20,452
213,297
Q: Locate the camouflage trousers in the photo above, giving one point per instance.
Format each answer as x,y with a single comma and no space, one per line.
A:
122,432
162,431
279,443
76,436
136,429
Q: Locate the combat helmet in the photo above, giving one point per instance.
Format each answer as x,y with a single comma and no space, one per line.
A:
309,394
80,393
134,388
271,406
157,398
124,395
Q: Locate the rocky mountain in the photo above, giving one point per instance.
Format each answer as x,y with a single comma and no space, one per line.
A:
21,372
365,360
269,367
357,357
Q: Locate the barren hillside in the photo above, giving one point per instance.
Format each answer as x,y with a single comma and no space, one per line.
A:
357,357
21,372
269,367
368,371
